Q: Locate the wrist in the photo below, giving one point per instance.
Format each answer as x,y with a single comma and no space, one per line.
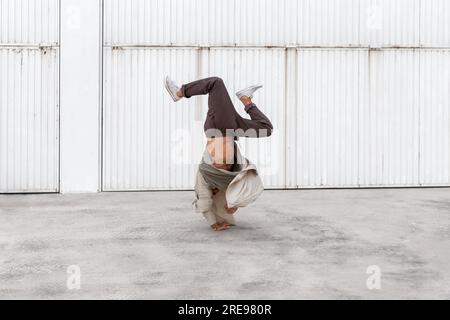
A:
249,106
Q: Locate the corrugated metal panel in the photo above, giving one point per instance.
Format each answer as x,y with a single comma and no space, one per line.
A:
265,22
194,22
435,117
241,68
169,21
276,23
146,135
29,21
435,23
148,140
390,23
389,124
327,22
231,22
357,113
28,120
329,95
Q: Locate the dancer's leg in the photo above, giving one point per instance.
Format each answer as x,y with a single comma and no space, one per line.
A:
219,100
222,115
221,112
259,125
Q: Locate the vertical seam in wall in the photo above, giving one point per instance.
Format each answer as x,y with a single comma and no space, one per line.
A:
358,145
359,96
234,25
296,107
101,108
358,129
420,23
419,117
369,104
359,22
296,114
419,104
286,92
58,187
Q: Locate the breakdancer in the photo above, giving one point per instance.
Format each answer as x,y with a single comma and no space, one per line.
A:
225,180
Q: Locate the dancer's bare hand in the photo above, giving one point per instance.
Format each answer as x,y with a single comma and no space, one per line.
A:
230,210
220,226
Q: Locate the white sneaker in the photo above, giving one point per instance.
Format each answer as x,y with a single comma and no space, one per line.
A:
172,88
248,92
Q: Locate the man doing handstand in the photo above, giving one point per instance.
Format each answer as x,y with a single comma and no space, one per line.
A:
225,180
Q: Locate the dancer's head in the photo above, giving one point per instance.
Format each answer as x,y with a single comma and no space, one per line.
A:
222,152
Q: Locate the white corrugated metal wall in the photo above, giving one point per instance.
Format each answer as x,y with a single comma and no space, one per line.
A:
330,83
358,90
29,98
141,125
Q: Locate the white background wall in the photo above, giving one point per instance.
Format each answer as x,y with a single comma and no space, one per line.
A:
358,91
29,96
80,95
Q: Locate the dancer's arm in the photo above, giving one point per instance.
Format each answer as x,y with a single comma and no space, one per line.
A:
204,201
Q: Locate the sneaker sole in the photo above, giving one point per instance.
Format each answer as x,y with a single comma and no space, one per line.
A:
175,99
239,93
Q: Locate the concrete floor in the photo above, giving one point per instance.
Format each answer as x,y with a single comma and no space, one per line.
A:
289,245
